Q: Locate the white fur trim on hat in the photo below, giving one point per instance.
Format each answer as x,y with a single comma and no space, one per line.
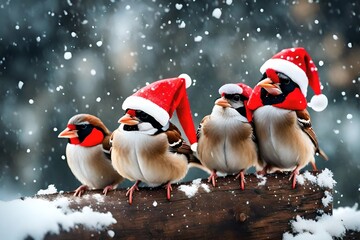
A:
143,104
187,78
290,69
230,88
318,102
194,147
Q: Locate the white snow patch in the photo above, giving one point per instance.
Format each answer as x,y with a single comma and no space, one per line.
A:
324,179
111,233
229,2
325,226
20,84
99,197
327,199
99,43
35,218
182,24
67,55
205,187
216,13
51,189
262,178
191,190
300,179
155,204
178,6
198,38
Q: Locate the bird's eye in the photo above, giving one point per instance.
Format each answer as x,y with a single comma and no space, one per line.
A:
284,79
141,114
84,126
236,97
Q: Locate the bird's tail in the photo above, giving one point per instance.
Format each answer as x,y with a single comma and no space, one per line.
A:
193,161
322,154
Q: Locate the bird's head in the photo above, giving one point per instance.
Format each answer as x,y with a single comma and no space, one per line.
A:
276,86
234,96
234,100
138,120
279,90
85,130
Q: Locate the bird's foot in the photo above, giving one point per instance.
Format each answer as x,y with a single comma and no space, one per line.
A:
168,188
80,190
213,177
108,189
314,167
242,179
131,190
293,176
263,171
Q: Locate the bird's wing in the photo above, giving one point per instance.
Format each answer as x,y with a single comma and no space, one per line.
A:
304,122
174,138
202,123
106,145
178,145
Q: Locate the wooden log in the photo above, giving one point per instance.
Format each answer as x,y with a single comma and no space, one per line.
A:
226,211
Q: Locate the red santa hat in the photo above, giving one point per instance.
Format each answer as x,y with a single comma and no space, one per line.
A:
240,88
232,88
297,64
161,99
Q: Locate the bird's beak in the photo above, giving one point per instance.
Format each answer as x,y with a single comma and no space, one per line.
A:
270,86
128,120
222,102
68,133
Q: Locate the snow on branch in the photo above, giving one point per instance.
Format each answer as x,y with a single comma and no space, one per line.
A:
267,208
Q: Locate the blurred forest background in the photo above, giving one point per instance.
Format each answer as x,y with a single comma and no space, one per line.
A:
60,58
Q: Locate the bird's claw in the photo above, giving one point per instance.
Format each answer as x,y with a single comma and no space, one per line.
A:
212,178
107,189
168,190
80,191
131,190
242,179
293,176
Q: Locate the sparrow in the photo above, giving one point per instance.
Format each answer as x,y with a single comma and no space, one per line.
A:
286,139
145,151
225,137
87,154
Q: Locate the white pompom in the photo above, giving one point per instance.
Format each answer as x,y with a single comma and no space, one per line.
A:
318,102
187,78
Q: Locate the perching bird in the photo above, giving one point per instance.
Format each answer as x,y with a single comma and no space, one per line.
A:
147,147
225,137
88,154
286,139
